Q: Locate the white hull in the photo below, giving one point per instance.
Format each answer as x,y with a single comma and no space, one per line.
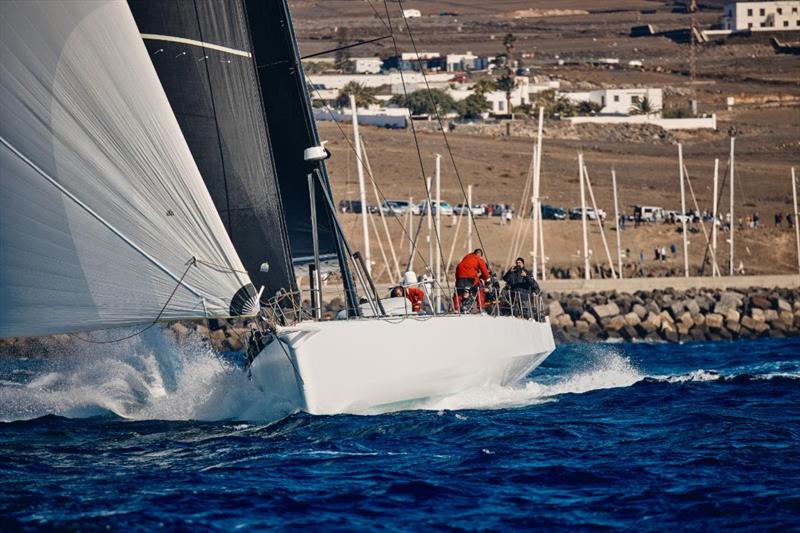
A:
371,365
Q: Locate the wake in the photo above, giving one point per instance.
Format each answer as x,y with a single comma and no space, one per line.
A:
152,378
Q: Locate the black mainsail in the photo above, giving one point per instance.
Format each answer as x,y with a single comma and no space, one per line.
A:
216,60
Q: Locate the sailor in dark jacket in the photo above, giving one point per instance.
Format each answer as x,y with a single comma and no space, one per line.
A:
520,285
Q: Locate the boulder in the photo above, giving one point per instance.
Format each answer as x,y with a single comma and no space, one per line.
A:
640,310
783,305
759,326
760,302
732,316
606,310
671,336
723,309
731,299
632,319
666,317
582,326
564,321
615,323
714,320
217,335
757,314
733,327
201,330
676,308
683,329
686,319
554,309
652,323
697,333
770,315
180,329
588,317
699,320
692,307
786,317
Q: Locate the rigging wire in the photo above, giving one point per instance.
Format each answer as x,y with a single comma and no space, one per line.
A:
192,262
380,191
416,144
433,103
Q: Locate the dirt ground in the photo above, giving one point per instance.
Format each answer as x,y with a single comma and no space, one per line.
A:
765,120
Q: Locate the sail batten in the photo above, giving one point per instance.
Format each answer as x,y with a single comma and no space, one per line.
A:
102,208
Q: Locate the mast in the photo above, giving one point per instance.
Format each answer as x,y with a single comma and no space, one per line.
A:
733,221
796,226
536,204
616,218
599,223
715,271
534,227
361,189
438,260
430,220
683,214
469,211
586,274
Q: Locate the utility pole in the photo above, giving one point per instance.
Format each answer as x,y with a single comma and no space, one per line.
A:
586,274
616,218
361,189
733,220
715,270
683,215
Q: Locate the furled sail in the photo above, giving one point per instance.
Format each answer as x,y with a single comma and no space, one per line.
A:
104,217
201,51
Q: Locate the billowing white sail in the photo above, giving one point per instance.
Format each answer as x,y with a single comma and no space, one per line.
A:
103,213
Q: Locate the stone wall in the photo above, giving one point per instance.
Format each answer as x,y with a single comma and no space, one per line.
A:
673,315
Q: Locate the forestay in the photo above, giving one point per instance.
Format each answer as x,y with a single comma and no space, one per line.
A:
103,213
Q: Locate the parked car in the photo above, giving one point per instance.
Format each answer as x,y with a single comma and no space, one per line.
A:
675,216
477,209
649,213
447,209
399,207
497,209
575,213
553,213
354,206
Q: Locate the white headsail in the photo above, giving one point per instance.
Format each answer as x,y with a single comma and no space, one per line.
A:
103,213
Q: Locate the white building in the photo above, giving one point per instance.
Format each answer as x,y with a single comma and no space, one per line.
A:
386,117
762,16
337,81
466,62
618,101
497,99
411,13
367,65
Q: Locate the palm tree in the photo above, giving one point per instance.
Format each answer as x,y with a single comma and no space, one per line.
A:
642,107
365,96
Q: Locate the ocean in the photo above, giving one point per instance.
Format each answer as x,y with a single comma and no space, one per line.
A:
147,435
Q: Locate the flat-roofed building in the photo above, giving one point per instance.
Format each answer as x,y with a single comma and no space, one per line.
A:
762,16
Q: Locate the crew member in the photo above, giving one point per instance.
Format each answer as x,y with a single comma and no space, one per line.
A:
520,285
414,295
469,273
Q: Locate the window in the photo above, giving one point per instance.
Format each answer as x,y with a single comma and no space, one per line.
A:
785,23
763,24
749,12
794,10
762,12
603,101
749,25
635,99
616,98
780,11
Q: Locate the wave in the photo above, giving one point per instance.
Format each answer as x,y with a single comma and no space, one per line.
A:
144,378
608,369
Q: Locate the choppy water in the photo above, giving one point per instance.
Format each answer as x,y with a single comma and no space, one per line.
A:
696,436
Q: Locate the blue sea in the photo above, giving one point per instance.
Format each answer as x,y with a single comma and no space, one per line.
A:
149,435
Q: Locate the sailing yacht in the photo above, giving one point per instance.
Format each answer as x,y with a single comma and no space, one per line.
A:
160,161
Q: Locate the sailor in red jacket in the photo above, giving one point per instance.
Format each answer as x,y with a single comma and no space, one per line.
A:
469,273
414,295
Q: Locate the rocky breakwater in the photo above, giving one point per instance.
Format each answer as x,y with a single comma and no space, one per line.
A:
673,316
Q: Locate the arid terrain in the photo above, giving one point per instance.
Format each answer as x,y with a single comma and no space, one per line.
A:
765,120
